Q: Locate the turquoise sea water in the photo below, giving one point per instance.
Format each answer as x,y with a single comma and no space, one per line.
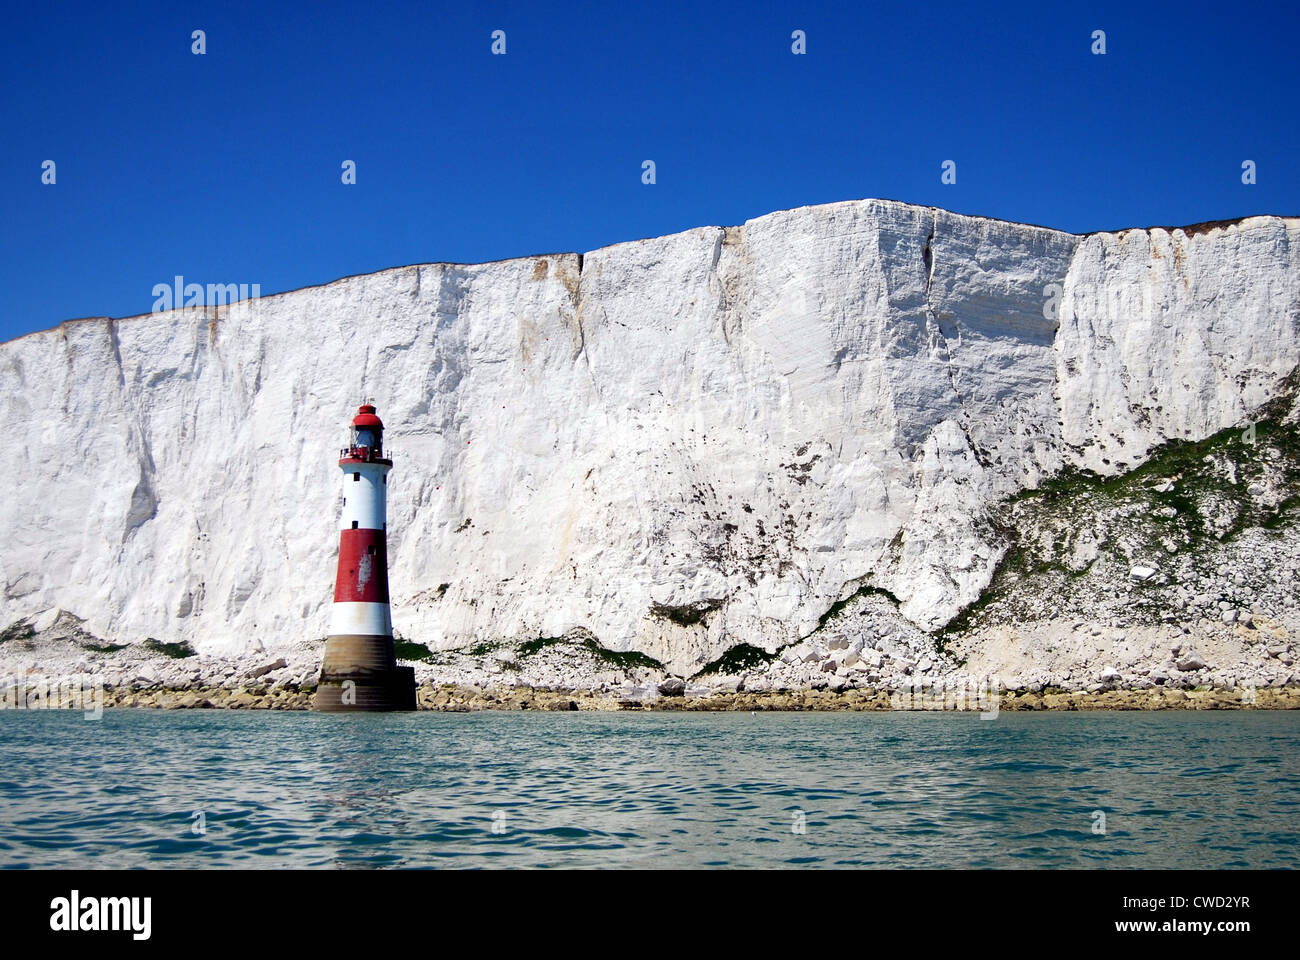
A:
1187,790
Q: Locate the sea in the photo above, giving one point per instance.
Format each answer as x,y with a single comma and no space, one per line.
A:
259,789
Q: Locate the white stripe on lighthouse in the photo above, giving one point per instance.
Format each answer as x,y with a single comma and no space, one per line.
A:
361,619
365,498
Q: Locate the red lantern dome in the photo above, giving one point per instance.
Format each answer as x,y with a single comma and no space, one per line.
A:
366,418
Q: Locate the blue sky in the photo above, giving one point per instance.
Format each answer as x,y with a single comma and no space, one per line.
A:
226,167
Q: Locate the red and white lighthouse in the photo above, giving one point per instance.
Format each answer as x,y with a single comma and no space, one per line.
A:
359,670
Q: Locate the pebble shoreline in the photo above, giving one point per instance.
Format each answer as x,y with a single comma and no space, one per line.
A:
459,699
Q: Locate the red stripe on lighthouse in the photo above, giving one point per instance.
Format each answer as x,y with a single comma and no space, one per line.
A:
363,567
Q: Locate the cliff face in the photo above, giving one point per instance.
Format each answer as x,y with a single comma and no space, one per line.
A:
680,444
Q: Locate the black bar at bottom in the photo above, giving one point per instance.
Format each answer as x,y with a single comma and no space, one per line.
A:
333,910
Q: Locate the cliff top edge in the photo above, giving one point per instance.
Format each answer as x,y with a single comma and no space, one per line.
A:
1189,230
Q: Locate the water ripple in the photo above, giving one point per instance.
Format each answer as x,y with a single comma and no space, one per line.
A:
649,790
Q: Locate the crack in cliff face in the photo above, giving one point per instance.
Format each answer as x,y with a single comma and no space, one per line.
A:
143,504
727,297
736,286
933,322
115,348
578,299
927,257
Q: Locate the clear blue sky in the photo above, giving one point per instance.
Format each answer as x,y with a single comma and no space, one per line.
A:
226,167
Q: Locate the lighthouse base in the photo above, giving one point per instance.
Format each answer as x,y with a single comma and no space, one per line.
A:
360,674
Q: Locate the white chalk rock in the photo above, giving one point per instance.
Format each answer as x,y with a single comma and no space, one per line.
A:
734,422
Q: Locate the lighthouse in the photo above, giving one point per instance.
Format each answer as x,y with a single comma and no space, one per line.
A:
359,670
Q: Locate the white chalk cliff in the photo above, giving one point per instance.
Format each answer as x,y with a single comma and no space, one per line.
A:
680,444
